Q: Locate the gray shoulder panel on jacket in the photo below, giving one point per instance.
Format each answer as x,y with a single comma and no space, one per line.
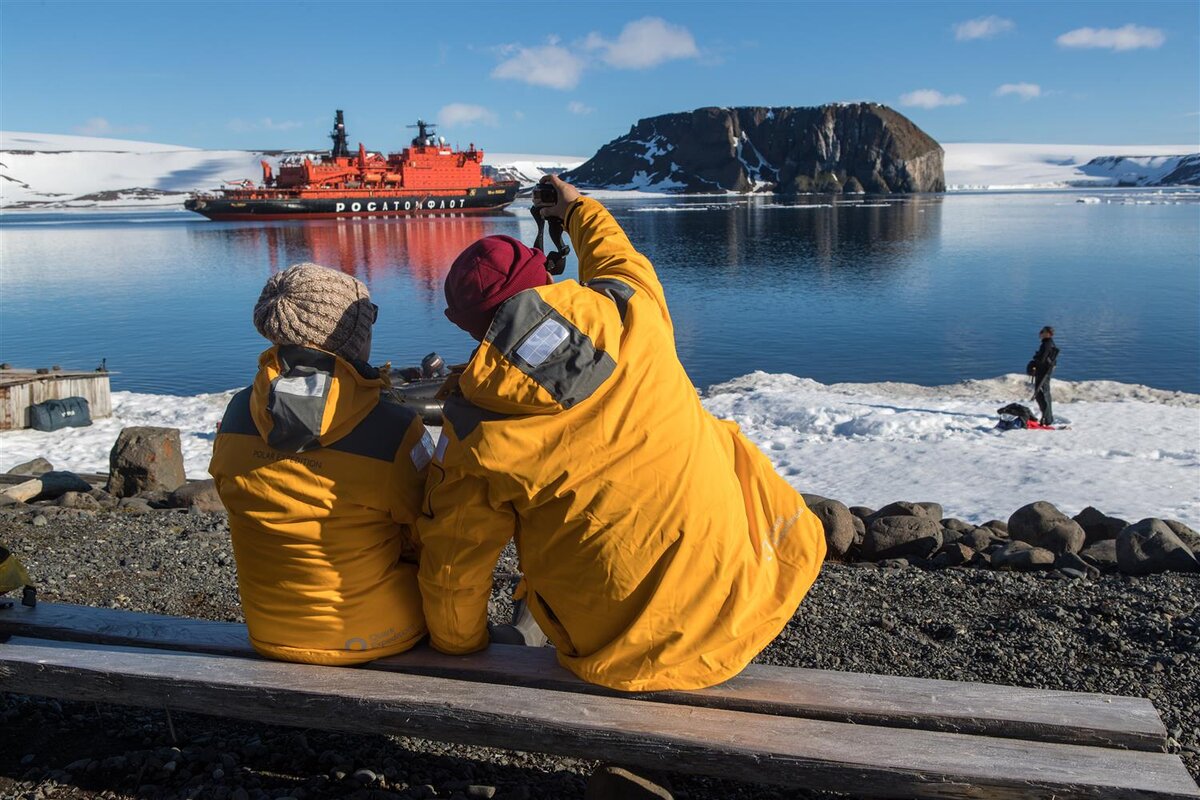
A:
464,416
618,291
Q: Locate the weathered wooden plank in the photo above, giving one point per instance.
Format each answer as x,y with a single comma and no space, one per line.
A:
983,709
783,750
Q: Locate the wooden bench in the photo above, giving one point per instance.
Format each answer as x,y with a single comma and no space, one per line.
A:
870,734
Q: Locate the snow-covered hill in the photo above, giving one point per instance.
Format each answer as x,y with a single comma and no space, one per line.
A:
50,171
53,171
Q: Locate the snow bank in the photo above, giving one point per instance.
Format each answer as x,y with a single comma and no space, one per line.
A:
1132,451
1049,166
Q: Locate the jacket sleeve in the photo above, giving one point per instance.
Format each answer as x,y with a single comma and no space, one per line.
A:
461,535
605,251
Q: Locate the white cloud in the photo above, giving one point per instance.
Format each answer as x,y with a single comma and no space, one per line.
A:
1026,91
465,114
264,124
644,43
576,107
99,126
1129,37
545,65
982,28
931,98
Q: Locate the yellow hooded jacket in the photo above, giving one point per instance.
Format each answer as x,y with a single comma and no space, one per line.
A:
660,548
322,477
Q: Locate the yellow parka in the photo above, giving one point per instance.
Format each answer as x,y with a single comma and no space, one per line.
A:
322,477
660,548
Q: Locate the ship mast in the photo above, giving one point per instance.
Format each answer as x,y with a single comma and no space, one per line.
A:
340,148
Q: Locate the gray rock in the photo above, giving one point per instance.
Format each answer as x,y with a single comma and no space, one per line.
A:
1072,562
145,459
905,509
950,536
1097,525
862,512
1186,535
1149,546
481,791
134,505
901,537
811,499
609,782
39,521
1021,556
1042,525
839,526
33,468
997,525
1103,553
79,500
980,539
860,531
957,525
954,555
198,495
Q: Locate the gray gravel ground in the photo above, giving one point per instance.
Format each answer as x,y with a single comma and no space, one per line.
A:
1116,634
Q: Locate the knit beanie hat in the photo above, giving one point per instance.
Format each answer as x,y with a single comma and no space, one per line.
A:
486,274
308,304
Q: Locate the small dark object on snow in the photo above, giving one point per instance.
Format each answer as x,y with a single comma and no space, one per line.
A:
1014,416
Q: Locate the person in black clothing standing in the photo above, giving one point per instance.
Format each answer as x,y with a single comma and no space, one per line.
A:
1040,367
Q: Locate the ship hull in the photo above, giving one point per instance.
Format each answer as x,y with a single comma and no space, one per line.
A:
483,200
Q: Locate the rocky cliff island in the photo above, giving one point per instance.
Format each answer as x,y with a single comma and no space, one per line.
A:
835,149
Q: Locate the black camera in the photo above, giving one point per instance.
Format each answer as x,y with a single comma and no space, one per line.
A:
545,194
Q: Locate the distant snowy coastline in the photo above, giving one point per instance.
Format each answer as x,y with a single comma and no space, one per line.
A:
51,171
1132,451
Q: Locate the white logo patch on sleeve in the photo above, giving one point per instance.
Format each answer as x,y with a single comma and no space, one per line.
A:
422,452
307,386
542,342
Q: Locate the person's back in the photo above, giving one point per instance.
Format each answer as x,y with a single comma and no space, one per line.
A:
660,548
322,478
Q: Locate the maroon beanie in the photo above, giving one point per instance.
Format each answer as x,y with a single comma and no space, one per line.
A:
486,274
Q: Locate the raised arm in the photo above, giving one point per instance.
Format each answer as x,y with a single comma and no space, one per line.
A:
603,249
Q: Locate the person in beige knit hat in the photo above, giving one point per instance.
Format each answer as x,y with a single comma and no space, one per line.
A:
308,304
322,475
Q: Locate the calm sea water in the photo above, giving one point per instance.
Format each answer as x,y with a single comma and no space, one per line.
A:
926,290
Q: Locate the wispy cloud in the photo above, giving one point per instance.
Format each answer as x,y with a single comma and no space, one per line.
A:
1129,37
931,98
264,124
644,43
99,126
545,65
465,114
576,107
983,28
1025,91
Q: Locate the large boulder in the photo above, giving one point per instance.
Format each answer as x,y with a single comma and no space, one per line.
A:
1022,556
1186,535
145,459
839,526
980,539
903,508
1097,525
1102,553
47,486
901,537
954,554
1042,525
1149,546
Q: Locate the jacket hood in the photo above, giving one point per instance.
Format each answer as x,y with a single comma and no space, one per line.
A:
547,350
304,398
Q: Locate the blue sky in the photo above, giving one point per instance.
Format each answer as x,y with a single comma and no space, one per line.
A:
567,77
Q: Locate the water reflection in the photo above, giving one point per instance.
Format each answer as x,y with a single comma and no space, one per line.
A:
371,251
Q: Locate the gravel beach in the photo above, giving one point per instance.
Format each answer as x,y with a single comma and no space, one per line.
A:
1114,634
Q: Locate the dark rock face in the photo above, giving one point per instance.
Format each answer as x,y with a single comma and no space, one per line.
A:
901,537
1103,553
828,149
145,459
1042,525
1149,546
200,495
1018,555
